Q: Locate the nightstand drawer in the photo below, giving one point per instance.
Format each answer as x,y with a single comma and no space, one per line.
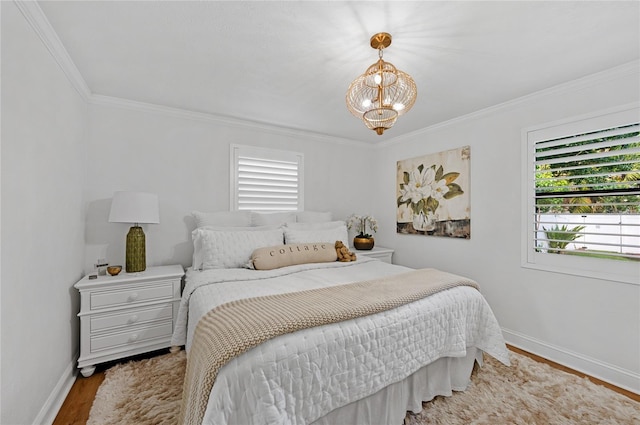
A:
134,336
131,295
131,317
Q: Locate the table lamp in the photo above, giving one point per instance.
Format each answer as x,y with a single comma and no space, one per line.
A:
136,208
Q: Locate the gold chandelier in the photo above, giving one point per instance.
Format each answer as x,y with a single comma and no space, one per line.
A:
383,93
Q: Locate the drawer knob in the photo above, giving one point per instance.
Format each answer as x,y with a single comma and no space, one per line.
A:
133,337
133,319
134,296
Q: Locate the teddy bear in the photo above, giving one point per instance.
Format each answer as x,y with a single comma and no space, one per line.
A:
343,252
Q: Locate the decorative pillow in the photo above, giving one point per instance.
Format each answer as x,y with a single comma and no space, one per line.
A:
313,217
196,237
292,236
274,257
221,249
266,219
222,218
315,226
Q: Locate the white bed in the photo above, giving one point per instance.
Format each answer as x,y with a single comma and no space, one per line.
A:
368,370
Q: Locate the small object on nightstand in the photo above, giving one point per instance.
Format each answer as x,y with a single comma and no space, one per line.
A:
93,276
101,266
114,270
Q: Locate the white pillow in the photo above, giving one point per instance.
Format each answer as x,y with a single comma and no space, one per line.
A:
196,237
266,219
316,235
222,218
313,217
315,226
224,249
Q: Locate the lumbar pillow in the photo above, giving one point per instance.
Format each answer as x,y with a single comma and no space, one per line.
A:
274,257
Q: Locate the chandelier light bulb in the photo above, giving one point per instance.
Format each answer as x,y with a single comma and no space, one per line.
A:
383,93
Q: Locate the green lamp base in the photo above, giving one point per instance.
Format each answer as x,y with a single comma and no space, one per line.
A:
136,257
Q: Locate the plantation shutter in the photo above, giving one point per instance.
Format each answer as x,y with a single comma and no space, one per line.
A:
587,194
267,180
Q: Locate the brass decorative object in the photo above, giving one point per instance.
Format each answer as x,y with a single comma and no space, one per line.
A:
383,93
363,244
114,270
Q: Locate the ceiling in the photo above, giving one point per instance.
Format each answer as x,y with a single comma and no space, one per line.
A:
290,63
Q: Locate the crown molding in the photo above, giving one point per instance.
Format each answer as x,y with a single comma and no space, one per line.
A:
101,100
40,24
630,68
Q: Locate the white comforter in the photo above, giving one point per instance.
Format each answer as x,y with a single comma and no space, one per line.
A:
300,377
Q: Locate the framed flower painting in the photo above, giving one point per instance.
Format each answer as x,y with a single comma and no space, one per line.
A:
432,194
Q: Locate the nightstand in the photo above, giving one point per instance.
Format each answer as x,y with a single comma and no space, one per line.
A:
127,314
379,252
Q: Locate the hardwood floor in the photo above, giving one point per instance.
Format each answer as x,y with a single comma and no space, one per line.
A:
76,407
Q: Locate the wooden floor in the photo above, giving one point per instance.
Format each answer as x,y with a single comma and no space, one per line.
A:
75,409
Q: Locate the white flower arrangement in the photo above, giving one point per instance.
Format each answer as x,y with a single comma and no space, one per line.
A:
361,223
423,189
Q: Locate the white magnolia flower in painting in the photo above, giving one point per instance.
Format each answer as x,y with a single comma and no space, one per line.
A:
419,186
439,189
422,190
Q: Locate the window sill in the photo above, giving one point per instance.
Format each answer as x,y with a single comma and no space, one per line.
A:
612,270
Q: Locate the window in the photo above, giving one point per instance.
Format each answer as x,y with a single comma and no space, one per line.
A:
583,196
266,179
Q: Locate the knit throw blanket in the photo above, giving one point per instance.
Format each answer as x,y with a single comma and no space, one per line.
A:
235,327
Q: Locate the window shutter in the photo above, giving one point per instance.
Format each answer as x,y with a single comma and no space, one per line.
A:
267,180
587,194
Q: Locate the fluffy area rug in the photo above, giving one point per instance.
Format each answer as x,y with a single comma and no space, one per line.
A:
148,392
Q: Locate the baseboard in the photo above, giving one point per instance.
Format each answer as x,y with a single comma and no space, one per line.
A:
614,375
52,406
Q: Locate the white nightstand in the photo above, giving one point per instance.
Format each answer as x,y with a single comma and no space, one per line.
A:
127,314
379,252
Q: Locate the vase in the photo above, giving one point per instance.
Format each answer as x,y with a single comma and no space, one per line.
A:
363,244
424,223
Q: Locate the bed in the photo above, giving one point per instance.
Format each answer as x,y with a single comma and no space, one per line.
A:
365,370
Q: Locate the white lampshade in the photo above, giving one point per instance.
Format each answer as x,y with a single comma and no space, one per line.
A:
134,207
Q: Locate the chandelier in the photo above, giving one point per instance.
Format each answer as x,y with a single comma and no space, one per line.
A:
383,93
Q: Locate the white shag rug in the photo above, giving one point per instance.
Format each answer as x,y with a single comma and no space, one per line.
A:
148,392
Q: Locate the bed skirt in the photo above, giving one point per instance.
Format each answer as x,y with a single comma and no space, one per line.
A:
390,405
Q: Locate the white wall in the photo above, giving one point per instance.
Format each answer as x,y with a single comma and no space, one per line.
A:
43,136
184,158
589,324
61,164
